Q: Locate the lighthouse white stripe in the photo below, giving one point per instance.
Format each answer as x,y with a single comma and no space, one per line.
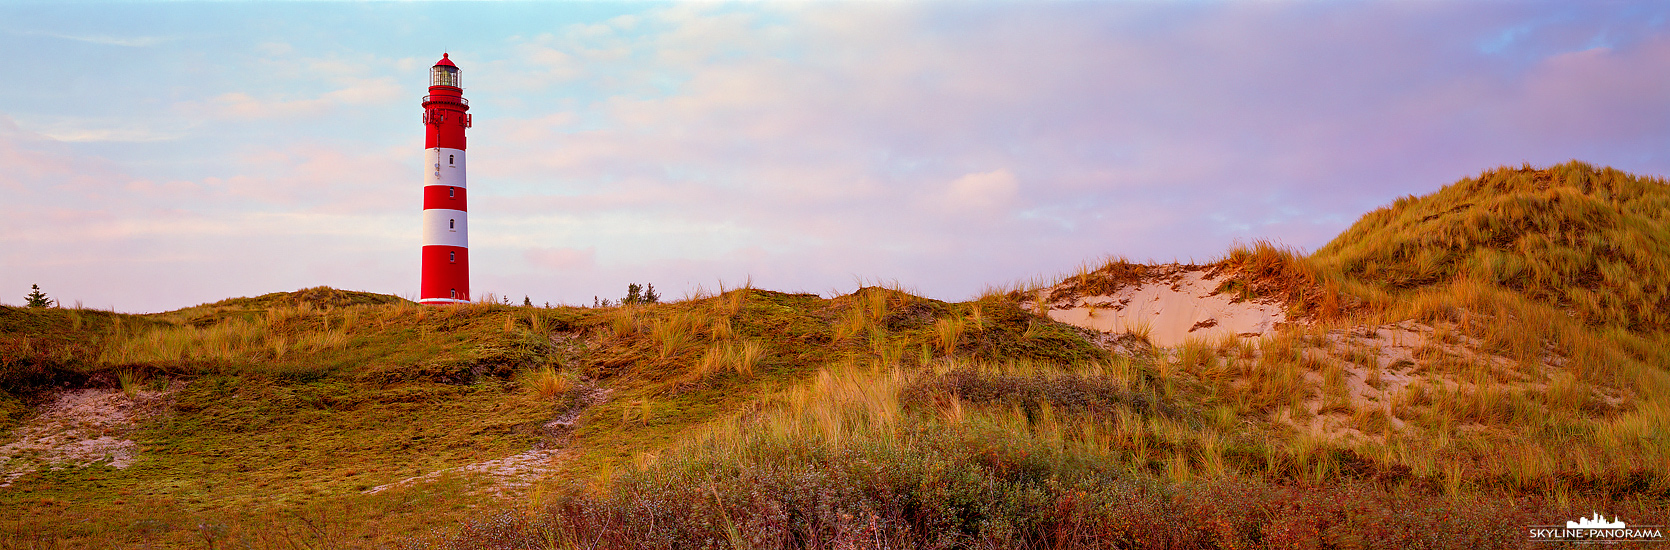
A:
443,166
447,227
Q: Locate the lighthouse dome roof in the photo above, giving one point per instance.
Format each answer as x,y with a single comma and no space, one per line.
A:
444,62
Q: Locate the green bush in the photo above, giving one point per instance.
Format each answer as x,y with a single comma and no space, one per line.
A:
36,298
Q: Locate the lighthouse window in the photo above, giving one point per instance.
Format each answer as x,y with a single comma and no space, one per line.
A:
452,256
452,224
450,191
449,159
454,293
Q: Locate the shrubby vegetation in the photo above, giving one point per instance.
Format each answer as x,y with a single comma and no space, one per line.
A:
758,419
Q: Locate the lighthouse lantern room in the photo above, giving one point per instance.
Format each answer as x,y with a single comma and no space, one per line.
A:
446,228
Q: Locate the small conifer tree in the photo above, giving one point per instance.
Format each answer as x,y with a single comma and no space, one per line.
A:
640,294
526,301
36,298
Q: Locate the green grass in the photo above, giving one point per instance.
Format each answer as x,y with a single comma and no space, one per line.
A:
280,410
766,418
285,405
1017,456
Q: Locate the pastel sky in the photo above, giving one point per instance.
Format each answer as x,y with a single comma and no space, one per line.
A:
159,155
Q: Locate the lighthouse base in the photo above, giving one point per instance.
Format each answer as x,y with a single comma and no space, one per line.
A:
446,275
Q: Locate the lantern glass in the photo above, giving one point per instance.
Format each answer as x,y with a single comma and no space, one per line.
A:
440,75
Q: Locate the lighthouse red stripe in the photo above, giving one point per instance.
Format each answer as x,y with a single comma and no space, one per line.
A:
446,117
446,272
446,134
444,197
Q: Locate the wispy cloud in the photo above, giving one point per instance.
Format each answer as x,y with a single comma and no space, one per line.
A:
246,106
127,135
106,40
107,129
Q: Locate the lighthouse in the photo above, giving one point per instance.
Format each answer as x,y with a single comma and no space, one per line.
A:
446,229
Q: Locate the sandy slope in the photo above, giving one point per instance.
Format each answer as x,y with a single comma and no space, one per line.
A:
1175,306
77,429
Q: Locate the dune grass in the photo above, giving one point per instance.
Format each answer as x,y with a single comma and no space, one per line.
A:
1595,241
1471,362
1016,455
711,394
276,410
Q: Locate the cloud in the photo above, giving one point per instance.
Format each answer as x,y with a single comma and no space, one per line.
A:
815,125
41,168
78,129
946,145
241,105
317,177
562,259
126,135
275,48
1598,93
983,192
107,40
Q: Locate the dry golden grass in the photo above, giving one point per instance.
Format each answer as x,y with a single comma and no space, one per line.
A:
732,356
733,301
1143,330
1454,368
719,328
975,316
1595,241
229,340
546,383
675,333
1465,417
1565,377
130,381
624,321
857,402
863,309
947,332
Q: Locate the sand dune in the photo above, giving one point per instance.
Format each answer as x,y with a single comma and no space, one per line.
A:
1172,307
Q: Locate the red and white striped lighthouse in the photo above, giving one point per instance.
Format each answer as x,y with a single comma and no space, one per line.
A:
446,229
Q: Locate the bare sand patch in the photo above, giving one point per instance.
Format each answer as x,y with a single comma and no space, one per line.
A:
1179,304
1356,380
79,428
1377,366
505,476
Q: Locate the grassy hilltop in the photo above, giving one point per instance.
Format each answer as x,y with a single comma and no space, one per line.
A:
1459,366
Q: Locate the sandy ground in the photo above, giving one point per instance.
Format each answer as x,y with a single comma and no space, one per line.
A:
1378,364
511,476
78,429
1375,364
505,476
1173,308
1357,372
